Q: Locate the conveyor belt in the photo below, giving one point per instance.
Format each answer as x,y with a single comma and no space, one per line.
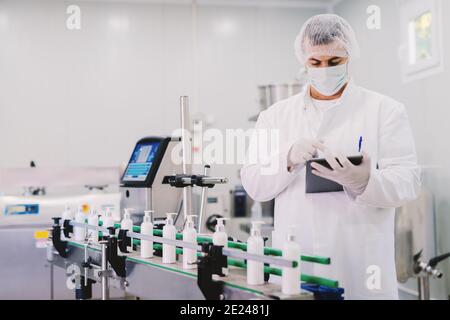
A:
151,279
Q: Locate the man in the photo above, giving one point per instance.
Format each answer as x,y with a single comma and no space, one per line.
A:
334,118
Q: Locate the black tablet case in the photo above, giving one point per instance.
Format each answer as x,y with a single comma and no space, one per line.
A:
316,184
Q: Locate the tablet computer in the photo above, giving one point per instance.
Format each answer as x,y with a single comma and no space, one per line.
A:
316,184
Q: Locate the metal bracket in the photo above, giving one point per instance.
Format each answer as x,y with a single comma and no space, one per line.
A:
187,180
105,273
428,269
424,271
123,241
117,262
58,244
67,228
208,265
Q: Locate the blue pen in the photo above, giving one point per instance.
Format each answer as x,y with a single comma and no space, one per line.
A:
360,144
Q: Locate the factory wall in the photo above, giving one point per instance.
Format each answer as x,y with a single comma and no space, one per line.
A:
426,100
83,97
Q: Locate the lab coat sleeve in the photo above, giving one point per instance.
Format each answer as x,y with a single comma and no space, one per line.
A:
396,180
265,172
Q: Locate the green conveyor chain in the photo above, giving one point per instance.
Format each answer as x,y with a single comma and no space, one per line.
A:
271,270
241,264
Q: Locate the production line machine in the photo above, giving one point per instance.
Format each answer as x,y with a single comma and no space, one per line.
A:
109,264
135,260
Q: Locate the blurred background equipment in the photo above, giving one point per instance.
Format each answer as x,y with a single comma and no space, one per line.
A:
23,216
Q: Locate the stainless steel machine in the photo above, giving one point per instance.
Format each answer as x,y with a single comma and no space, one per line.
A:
415,253
142,186
108,264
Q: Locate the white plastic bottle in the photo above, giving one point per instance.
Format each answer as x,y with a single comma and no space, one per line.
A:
147,228
127,224
170,232
93,221
107,220
190,235
255,245
220,237
80,232
66,215
290,280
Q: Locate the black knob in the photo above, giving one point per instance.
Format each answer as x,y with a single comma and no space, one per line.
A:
434,262
418,255
112,231
56,220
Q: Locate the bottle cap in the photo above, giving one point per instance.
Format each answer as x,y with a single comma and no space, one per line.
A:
148,214
127,214
169,220
220,226
67,214
190,221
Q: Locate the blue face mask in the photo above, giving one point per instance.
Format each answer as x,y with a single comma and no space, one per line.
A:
328,81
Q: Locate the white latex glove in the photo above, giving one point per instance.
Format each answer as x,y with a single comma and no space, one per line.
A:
302,151
353,178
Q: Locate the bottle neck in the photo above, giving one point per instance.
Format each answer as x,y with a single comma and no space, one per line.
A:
255,233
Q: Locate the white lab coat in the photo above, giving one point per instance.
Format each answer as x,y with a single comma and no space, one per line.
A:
358,234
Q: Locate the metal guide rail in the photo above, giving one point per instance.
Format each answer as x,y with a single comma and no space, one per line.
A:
151,279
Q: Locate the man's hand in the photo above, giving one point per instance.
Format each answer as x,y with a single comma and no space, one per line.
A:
302,151
353,178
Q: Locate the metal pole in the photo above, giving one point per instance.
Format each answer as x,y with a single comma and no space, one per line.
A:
86,257
50,258
105,285
186,143
424,287
52,285
203,201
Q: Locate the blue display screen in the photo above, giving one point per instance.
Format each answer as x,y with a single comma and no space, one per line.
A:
141,161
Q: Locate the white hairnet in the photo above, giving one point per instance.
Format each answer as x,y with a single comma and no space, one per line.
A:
326,35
